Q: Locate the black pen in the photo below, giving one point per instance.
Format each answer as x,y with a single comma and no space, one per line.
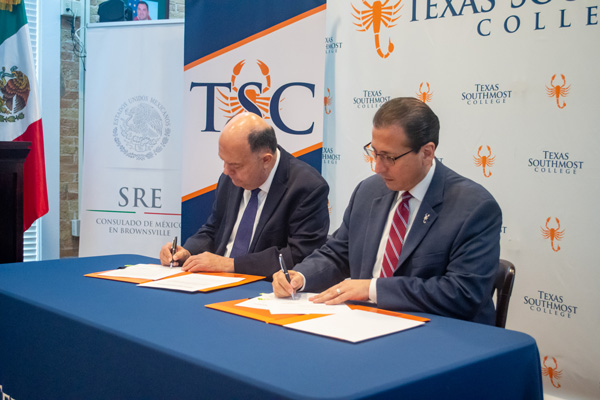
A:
285,272
173,250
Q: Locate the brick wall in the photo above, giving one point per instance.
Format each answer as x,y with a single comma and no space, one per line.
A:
69,126
69,140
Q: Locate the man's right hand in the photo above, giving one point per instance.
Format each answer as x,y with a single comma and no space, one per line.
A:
282,288
178,259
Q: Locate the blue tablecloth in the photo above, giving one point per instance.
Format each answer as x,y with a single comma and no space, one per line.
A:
66,336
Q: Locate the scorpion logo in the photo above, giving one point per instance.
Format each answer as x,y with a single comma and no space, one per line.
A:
558,91
328,101
551,372
425,97
377,14
232,103
369,160
552,233
484,161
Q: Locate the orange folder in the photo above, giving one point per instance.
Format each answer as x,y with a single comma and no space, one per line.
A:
284,319
118,278
247,278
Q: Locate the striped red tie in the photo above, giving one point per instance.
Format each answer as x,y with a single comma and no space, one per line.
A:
396,239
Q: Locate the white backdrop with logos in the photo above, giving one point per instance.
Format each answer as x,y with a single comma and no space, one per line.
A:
131,186
515,86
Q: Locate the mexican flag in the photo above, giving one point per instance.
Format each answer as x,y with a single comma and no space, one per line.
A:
20,116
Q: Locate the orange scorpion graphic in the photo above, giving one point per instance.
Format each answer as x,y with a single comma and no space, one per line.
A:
551,372
558,90
553,234
378,14
370,161
328,101
424,96
485,161
232,103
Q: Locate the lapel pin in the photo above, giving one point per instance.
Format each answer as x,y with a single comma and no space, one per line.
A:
426,218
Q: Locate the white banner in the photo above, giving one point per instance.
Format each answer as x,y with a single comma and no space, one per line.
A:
514,84
276,71
131,186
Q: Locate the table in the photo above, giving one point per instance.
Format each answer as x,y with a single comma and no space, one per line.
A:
66,336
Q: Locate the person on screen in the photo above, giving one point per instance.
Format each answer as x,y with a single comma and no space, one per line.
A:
286,200
142,12
415,237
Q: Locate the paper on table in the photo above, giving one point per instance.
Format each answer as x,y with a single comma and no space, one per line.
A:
143,271
192,282
260,302
301,305
355,325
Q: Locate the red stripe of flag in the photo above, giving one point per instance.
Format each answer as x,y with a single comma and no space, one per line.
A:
35,195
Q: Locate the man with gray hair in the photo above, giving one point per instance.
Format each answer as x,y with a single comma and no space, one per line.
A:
267,203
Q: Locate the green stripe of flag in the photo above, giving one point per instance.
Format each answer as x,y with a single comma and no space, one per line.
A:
11,22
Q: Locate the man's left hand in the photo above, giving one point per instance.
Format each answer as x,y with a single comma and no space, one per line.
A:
350,289
208,262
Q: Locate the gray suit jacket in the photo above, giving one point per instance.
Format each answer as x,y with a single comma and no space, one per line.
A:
294,220
449,260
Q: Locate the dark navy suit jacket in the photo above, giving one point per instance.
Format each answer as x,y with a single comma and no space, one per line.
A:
449,260
294,220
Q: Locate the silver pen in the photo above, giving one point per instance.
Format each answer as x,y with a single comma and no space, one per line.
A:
285,272
173,250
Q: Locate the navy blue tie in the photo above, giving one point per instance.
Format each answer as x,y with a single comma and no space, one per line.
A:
244,232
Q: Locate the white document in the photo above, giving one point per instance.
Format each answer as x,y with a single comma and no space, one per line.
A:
299,305
191,282
355,325
144,271
260,302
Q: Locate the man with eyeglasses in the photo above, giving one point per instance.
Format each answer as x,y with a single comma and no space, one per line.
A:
416,237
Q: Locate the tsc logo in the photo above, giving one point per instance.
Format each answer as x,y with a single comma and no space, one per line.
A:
537,19
558,91
252,97
553,233
424,96
555,162
376,15
552,372
15,92
484,161
257,98
327,102
331,46
370,99
330,156
550,304
486,94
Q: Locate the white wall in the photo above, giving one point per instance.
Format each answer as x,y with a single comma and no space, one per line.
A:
49,65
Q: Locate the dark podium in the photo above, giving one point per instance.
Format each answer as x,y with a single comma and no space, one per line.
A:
12,160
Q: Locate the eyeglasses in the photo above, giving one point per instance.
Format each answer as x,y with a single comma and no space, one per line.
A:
385,160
